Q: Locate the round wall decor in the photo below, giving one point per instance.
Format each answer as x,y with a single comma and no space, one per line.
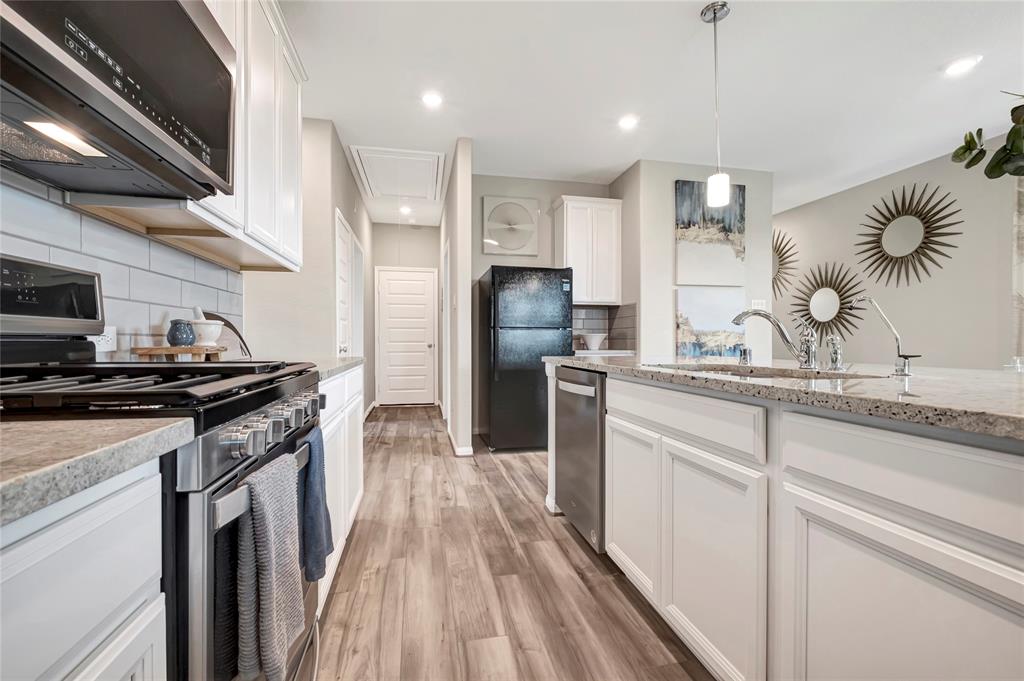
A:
824,299
784,258
906,234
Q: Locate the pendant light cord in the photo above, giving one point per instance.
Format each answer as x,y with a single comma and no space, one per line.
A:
718,138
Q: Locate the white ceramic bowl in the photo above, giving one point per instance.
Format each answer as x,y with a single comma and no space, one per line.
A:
207,331
593,340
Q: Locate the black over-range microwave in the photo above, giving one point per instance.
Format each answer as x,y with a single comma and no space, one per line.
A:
117,97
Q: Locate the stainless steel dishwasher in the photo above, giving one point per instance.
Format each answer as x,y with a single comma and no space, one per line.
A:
579,451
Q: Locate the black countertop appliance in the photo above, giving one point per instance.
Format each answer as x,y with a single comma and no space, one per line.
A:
525,314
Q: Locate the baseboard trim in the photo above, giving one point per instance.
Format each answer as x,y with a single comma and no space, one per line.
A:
456,449
366,414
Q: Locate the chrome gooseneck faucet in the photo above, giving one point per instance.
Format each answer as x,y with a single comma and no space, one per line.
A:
806,353
902,363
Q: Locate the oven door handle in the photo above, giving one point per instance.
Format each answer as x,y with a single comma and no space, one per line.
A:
231,506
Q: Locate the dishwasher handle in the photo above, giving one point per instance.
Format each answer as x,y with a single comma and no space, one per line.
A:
577,389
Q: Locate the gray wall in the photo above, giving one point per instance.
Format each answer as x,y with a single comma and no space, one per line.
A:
958,317
546,192
145,283
406,246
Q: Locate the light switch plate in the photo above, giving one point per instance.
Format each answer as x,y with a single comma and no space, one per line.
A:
759,304
107,341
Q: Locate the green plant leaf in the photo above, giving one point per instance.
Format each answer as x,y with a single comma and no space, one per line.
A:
995,169
981,138
969,140
960,154
1015,139
976,159
1017,114
1014,165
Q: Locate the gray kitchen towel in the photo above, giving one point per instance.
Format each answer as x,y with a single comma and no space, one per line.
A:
316,542
270,605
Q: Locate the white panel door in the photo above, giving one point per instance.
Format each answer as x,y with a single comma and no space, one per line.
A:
605,287
715,559
632,506
263,50
344,288
406,326
579,251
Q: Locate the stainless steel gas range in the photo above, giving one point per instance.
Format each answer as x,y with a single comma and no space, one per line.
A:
246,414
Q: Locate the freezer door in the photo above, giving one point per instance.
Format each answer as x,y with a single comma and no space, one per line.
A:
531,297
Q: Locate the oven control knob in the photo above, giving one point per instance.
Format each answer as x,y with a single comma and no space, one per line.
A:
245,440
312,404
274,427
292,416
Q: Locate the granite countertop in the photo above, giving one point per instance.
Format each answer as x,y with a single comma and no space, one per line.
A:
333,366
983,401
42,462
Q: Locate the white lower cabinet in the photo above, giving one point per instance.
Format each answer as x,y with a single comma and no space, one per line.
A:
136,653
342,424
632,507
714,558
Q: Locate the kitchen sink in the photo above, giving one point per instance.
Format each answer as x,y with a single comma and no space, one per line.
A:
765,372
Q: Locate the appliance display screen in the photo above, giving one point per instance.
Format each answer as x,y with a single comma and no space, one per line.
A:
38,290
155,58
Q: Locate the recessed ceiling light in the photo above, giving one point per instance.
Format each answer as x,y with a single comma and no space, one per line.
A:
432,99
405,210
628,122
962,66
491,242
65,137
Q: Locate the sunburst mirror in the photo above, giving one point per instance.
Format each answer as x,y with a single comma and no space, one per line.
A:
906,234
784,258
824,299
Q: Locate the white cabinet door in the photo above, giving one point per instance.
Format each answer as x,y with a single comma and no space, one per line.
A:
263,50
864,597
715,559
230,15
289,194
632,507
607,254
354,459
335,456
137,653
579,250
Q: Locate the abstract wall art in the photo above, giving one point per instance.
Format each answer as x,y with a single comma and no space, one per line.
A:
704,325
710,242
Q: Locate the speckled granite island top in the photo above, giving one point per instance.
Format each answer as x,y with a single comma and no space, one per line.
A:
336,365
987,402
42,462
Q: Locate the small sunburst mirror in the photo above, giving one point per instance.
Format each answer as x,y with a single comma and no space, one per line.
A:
906,235
824,299
784,257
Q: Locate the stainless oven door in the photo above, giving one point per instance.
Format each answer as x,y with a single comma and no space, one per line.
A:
212,526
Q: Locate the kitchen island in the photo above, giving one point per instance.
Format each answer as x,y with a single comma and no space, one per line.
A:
855,527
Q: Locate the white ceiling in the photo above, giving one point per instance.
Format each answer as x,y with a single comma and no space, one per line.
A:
824,94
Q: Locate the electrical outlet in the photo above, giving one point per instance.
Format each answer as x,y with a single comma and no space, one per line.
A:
759,304
107,341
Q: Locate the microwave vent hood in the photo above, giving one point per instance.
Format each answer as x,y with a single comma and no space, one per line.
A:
92,102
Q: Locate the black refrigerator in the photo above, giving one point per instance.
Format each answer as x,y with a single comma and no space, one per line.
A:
525,314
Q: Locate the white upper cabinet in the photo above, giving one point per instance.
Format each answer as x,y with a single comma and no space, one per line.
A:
588,235
289,167
263,135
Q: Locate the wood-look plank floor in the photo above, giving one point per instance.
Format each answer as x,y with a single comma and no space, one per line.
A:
454,571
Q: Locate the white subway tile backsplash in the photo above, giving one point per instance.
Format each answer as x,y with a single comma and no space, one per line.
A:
114,243
33,218
113,277
160,317
167,260
229,303
197,294
155,288
210,274
234,282
23,248
129,317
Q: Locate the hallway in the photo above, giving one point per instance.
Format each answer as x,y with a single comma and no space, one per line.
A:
454,571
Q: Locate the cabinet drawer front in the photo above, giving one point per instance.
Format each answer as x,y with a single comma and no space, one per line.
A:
739,428
973,487
353,384
70,584
334,389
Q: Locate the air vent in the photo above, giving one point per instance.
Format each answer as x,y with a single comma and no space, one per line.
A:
400,173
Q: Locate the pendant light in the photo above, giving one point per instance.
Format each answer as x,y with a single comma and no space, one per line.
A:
718,184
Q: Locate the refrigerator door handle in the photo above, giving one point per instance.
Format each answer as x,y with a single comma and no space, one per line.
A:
494,354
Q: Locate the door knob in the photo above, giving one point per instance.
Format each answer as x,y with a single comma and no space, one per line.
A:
430,345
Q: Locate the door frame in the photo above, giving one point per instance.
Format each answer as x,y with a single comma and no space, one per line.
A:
354,305
446,388
378,356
